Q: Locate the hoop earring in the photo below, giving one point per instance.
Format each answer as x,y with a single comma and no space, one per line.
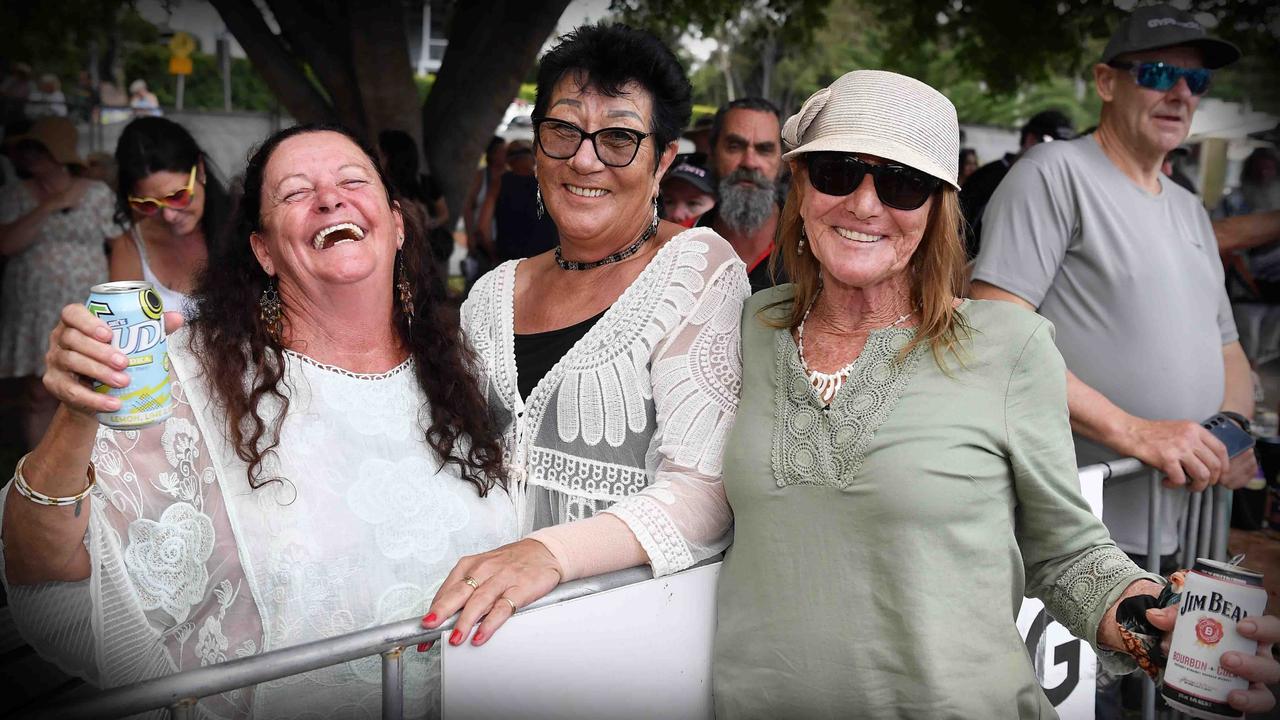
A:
406,293
542,210
800,245
269,311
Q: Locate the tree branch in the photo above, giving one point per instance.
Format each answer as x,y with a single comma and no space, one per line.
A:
492,46
271,58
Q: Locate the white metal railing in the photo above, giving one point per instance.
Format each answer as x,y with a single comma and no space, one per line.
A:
1206,529
1205,535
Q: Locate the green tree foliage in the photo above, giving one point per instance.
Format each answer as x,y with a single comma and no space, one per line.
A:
999,61
203,89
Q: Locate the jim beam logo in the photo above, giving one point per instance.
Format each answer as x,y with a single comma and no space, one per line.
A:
1209,629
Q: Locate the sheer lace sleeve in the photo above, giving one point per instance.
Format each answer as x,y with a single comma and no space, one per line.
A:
683,516
166,590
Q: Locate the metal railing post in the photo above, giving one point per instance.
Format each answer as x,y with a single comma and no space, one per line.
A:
393,684
182,710
1190,544
1153,565
1222,498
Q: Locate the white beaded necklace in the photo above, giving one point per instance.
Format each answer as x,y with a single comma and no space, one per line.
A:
826,385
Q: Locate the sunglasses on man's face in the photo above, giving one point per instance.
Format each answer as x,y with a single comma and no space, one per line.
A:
1162,77
898,186
176,201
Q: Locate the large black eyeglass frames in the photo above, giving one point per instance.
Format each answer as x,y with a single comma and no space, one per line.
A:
898,186
1162,77
615,146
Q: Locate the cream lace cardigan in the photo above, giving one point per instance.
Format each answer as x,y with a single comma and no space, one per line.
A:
633,419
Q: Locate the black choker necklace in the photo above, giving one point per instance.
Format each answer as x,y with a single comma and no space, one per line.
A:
622,254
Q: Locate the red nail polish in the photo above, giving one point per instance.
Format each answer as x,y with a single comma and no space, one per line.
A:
426,621
423,647
456,637
478,638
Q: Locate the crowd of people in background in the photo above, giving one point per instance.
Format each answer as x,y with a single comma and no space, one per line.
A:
820,279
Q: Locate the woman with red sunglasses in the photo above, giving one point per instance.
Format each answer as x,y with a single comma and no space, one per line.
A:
173,206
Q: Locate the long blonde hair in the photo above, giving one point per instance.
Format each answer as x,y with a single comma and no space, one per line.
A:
937,272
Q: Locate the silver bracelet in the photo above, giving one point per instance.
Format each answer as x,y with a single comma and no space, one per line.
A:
35,496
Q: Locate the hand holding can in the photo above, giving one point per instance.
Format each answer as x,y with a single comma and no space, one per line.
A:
1215,599
134,314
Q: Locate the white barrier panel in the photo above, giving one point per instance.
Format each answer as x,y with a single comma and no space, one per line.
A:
639,651
644,650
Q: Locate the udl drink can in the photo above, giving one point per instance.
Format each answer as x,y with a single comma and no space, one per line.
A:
135,314
1215,597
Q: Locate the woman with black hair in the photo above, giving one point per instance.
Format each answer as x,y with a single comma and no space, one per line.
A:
418,193
329,456
174,208
611,359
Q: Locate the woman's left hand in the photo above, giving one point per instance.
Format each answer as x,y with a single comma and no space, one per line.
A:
1260,670
493,585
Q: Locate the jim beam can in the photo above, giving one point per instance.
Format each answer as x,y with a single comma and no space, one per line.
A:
1215,597
135,314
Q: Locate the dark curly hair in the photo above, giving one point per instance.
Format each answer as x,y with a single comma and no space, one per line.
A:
155,144
232,342
612,55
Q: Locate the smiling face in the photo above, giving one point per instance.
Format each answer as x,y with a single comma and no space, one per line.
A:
325,218
1149,121
593,203
858,241
162,184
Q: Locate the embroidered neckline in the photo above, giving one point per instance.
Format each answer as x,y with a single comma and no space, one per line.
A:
408,362
825,445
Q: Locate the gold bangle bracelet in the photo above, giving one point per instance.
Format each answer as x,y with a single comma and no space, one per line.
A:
39,498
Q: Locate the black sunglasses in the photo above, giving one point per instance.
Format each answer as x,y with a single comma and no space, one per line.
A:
898,186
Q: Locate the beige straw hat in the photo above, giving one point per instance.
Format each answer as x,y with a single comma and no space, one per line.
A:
880,113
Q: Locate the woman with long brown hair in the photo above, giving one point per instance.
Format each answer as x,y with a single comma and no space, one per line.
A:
329,457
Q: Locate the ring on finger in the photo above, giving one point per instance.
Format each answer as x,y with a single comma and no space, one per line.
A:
510,602
472,582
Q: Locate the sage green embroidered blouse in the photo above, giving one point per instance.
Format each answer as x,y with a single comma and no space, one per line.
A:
882,546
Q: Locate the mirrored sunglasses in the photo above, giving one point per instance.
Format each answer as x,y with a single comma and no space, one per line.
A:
898,186
1163,77
177,201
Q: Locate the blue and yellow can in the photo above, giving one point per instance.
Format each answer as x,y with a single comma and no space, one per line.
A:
135,314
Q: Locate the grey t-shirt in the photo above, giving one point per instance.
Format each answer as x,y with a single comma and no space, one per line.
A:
1132,283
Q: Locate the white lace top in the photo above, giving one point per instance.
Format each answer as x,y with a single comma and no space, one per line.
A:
191,566
634,417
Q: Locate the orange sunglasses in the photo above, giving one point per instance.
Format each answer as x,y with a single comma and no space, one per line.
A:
177,201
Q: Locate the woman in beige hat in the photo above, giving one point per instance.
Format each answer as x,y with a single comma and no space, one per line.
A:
901,471
53,229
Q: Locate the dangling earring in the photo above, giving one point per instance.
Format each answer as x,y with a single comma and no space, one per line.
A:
269,311
406,293
655,212
800,245
542,210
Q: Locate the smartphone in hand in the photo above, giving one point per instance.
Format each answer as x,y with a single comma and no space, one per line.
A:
1231,434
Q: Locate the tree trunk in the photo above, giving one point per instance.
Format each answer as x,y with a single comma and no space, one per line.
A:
271,58
492,46
380,58
318,33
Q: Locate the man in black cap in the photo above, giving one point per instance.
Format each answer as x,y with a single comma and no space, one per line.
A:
1045,126
686,193
1123,261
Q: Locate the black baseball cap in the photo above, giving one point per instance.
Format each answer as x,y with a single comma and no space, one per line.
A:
692,174
1050,123
1158,26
